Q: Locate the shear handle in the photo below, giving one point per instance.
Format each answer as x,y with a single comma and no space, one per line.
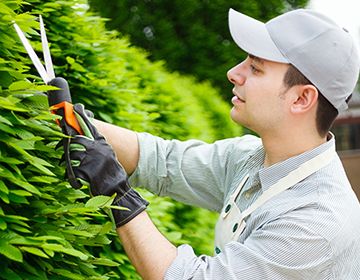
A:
61,104
60,95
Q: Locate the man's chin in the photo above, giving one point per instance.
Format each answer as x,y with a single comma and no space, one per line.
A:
235,116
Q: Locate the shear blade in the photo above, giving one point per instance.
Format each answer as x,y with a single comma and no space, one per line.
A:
33,56
46,51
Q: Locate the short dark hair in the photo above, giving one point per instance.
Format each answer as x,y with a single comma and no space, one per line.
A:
326,113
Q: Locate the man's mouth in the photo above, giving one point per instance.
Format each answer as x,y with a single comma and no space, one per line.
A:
237,97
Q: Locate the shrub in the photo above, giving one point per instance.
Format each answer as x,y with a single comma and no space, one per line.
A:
47,229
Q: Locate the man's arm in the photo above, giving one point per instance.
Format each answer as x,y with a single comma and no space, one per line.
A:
148,250
123,141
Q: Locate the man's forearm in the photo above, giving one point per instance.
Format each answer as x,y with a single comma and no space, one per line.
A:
148,250
123,141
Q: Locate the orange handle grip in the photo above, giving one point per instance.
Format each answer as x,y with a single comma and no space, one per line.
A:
68,115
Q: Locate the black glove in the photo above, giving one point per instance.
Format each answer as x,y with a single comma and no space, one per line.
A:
95,164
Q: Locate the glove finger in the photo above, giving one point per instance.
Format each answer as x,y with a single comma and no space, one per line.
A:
69,173
80,176
89,114
81,140
76,147
85,122
75,163
76,156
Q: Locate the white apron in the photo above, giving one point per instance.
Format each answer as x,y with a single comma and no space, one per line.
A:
231,222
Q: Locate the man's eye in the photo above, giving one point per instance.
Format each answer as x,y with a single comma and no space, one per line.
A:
254,69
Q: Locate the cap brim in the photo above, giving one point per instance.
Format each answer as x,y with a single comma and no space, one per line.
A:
252,36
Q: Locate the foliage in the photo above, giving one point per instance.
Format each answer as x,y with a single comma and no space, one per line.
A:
47,229
191,36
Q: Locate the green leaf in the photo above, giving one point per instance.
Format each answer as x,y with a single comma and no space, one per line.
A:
4,120
106,117
15,218
3,224
78,232
3,187
44,88
7,129
62,249
34,271
4,197
10,103
67,274
10,251
9,274
106,228
20,85
103,261
10,160
43,179
39,164
21,192
34,251
5,9
28,241
70,60
18,228
49,252
14,178
99,201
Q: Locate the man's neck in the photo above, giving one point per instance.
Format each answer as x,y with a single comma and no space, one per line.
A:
281,147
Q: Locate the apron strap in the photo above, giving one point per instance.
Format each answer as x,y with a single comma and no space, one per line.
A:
239,188
294,177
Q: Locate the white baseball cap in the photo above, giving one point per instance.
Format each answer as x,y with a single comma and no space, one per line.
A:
321,50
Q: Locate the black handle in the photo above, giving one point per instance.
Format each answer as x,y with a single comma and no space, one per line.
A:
61,104
61,95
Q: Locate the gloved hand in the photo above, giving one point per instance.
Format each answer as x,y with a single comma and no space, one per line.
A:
95,164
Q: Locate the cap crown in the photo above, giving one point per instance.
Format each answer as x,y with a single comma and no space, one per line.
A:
322,51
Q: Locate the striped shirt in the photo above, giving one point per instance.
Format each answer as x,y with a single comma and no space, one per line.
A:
310,231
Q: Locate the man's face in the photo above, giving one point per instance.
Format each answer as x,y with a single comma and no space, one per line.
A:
259,94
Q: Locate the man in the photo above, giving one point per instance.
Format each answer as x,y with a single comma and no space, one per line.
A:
287,210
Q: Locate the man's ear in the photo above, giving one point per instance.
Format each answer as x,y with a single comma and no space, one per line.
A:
307,96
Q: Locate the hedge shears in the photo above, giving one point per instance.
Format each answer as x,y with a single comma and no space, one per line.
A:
59,100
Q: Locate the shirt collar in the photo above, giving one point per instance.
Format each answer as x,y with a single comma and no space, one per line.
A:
270,175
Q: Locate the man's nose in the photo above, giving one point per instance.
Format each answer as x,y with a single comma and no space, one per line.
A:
236,75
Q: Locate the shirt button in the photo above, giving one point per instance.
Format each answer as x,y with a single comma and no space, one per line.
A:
217,250
235,227
227,209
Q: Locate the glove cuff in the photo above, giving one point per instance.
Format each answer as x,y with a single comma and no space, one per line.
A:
134,203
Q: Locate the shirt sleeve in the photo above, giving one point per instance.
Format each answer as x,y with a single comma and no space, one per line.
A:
282,250
193,172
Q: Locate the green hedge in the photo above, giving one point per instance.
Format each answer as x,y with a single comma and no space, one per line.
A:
47,229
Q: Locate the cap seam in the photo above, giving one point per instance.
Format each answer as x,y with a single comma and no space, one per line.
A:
346,61
271,37
341,106
338,106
